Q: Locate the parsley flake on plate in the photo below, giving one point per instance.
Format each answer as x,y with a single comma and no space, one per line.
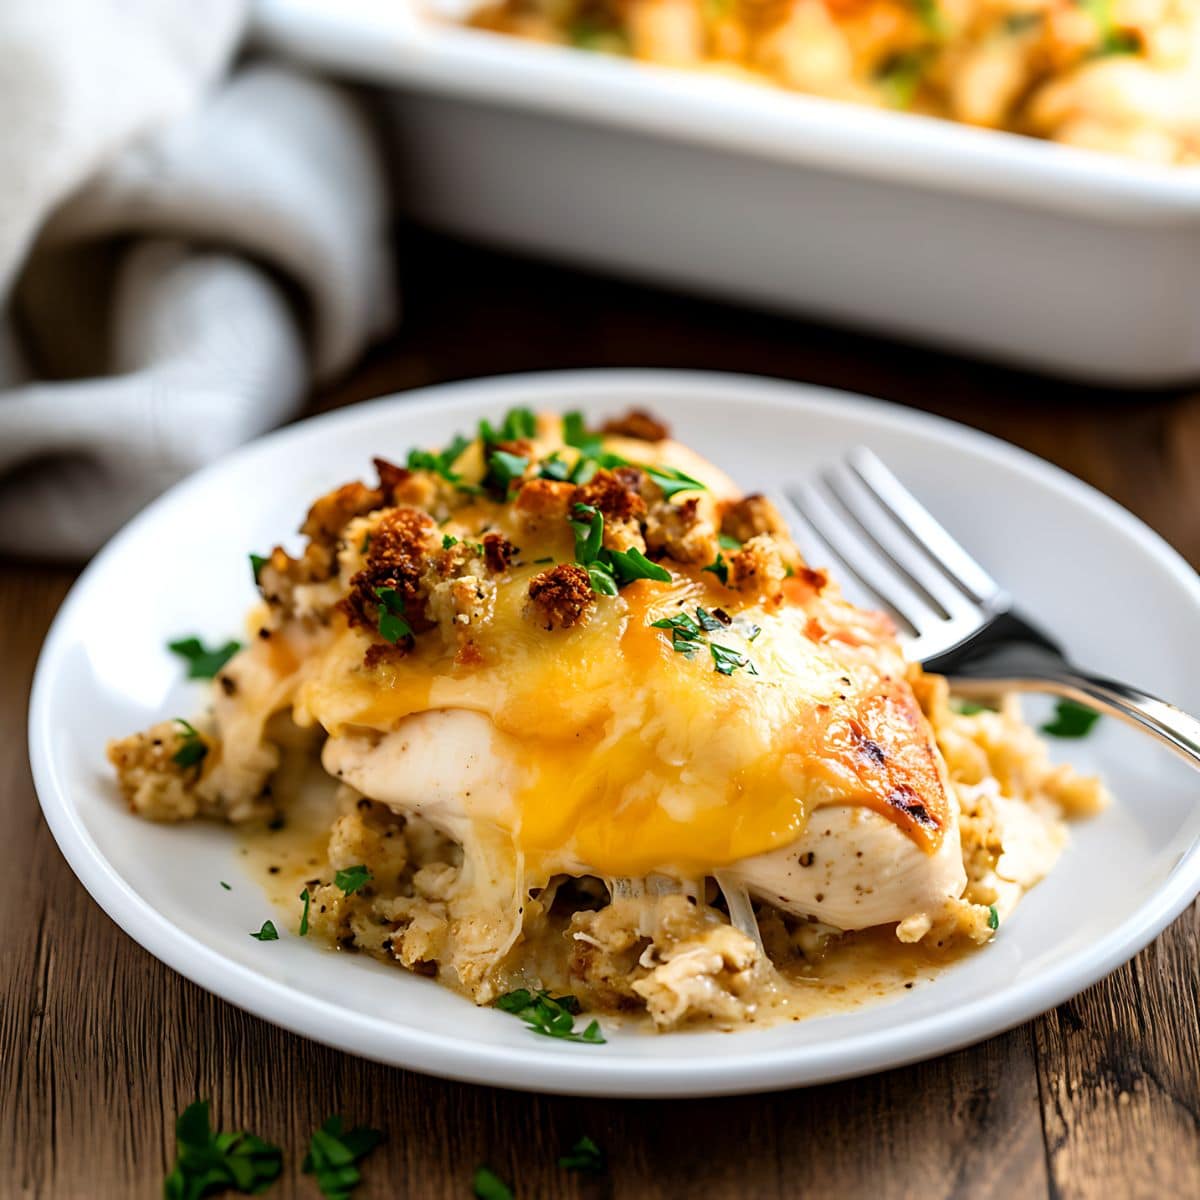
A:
352,878
225,885
1071,720
550,1016
193,749
306,900
257,562
333,1156
268,933
207,1162
487,1185
993,917
203,663
584,1155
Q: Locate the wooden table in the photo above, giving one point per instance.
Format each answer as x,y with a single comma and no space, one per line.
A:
101,1046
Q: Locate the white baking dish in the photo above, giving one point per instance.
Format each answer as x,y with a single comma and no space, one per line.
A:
983,242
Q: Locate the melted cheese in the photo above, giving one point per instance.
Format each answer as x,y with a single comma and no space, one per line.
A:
631,757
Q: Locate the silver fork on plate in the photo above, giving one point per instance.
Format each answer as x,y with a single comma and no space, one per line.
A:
958,621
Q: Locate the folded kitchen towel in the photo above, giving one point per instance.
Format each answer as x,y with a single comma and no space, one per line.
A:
182,252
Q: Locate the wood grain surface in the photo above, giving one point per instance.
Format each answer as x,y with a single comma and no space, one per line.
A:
101,1046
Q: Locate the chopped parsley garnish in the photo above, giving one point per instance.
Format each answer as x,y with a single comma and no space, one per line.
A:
268,933
687,635
440,462
718,567
993,917
728,542
225,885
538,562
206,1162
504,469
366,543
609,570
353,878
631,564
193,749
585,1155
1113,40
967,708
900,77
448,540
518,423
727,660
257,562
550,1016
392,625
555,467
671,480
306,900
575,434
487,1185
333,1155
1071,720
202,663
931,16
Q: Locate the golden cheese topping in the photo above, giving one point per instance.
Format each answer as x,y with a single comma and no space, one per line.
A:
682,723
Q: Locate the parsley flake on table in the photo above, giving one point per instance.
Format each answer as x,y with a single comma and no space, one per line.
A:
584,1155
392,625
550,1016
1071,720
352,878
487,1185
203,663
333,1156
268,933
207,1162
193,749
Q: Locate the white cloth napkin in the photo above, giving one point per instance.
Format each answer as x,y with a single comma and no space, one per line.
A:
181,254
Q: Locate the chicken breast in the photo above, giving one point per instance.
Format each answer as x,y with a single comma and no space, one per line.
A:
851,868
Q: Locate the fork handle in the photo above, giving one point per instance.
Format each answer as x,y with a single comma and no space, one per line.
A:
1170,725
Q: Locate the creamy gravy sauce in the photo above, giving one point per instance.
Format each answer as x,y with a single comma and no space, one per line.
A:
864,968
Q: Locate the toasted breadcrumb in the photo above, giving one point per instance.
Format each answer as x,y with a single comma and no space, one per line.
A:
559,597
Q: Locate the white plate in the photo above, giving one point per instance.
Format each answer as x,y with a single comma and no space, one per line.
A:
1122,600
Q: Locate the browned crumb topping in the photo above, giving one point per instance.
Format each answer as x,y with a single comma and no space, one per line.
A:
750,516
396,559
543,503
498,552
561,595
681,531
757,567
637,423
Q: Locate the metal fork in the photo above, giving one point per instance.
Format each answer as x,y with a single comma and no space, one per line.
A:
956,619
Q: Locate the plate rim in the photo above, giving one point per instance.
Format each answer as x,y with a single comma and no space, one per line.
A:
547,1069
